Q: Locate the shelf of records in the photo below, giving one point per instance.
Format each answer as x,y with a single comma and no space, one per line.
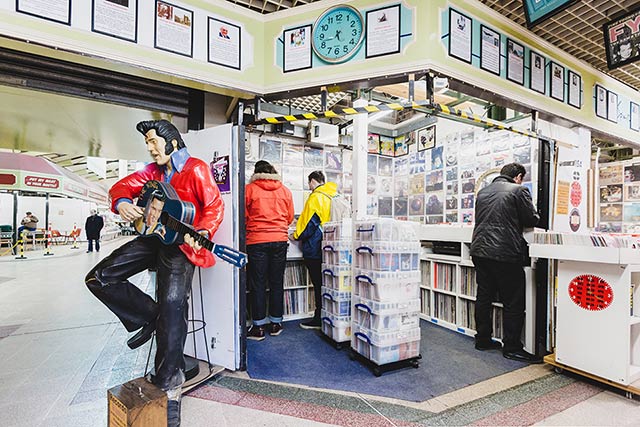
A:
593,247
299,298
428,183
619,201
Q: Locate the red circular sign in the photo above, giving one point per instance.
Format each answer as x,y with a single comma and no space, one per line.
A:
576,193
590,292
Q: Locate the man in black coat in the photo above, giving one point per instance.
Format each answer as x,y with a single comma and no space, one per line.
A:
92,227
503,209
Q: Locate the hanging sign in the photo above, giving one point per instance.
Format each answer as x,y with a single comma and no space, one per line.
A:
622,39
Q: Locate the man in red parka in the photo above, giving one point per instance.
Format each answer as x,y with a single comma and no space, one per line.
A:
268,213
108,281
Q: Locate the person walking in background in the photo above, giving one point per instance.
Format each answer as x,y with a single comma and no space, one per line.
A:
29,222
268,213
503,209
92,226
316,212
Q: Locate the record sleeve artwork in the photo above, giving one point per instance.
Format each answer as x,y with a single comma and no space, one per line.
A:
590,292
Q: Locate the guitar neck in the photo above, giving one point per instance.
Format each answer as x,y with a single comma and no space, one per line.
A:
179,227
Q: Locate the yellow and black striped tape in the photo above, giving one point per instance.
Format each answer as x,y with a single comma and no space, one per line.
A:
436,108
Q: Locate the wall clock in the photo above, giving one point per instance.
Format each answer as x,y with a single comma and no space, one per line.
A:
590,292
338,33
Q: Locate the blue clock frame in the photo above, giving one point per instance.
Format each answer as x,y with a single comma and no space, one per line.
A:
338,34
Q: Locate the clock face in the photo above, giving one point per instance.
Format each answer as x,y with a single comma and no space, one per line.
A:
338,33
590,292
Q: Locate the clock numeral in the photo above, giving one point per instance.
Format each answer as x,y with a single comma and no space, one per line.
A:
353,24
354,32
345,48
330,20
324,27
323,45
321,36
339,17
329,51
336,51
352,42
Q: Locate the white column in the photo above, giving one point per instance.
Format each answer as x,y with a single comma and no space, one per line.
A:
360,131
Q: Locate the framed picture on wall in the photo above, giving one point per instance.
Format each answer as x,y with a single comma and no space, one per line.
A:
427,138
557,81
115,18
537,81
601,102
383,31
173,29
51,10
575,89
612,106
634,117
225,43
296,49
489,50
515,62
460,36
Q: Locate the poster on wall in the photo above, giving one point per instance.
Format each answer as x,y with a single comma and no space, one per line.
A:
537,79
557,81
297,49
601,102
622,39
383,31
536,11
612,106
116,18
634,117
575,86
515,62
52,10
460,36
490,50
225,45
174,29
427,138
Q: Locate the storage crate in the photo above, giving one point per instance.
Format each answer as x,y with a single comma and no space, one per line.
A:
386,347
386,286
336,253
338,328
338,277
386,316
337,230
385,230
388,256
336,302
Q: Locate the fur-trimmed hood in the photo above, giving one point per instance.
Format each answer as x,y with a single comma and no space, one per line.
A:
267,181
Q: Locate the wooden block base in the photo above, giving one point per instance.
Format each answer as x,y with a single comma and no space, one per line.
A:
137,403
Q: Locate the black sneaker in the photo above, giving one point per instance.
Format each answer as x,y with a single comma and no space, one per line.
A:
314,323
256,333
275,329
522,356
489,345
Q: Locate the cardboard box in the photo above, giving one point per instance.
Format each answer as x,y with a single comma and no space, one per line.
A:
137,403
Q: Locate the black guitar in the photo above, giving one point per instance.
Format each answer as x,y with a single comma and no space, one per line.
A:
168,218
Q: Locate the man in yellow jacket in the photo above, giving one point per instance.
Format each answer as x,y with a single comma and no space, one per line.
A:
316,212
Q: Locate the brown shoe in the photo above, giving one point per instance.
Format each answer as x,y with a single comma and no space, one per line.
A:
275,329
256,333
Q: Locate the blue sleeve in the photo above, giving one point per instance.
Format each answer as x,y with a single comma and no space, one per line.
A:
312,226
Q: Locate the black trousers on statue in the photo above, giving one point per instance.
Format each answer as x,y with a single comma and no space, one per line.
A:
314,266
108,281
265,270
508,281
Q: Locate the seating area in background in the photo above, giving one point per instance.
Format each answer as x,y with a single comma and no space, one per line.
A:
6,235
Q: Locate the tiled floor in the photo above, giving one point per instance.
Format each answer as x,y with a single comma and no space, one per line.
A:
60,350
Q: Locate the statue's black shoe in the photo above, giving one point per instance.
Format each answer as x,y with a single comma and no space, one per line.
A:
142,336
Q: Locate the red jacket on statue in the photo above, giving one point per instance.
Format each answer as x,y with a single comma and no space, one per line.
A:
193,184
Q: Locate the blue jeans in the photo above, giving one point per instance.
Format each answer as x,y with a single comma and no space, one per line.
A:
22,228
265,270
90,249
